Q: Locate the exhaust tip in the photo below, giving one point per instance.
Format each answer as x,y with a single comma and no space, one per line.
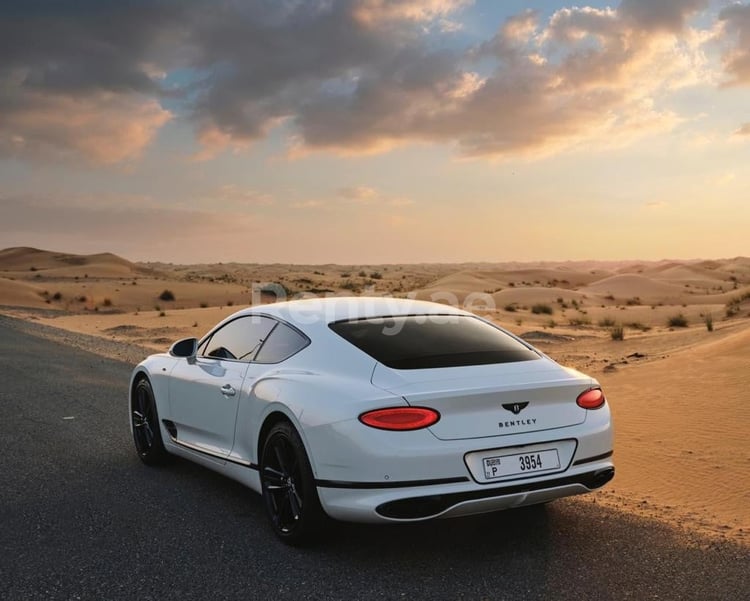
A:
601,477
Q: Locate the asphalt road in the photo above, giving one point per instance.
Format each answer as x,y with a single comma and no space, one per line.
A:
82,518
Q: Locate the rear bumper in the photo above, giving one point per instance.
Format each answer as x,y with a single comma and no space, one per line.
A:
434,505
430,501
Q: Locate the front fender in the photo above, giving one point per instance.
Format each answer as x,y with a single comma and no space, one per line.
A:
157,368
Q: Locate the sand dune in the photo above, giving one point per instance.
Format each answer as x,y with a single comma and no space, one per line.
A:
692,273
633,285
65,264
21,294
465,282
532,295
681,434
553,276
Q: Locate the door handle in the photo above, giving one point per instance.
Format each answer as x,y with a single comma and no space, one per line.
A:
227,390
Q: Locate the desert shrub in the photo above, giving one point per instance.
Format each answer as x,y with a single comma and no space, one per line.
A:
510,308
551,324
167,295
617,333
349,285
542,309
610,297
230,303
677,321
637,325
362,274
606,322
32,268
376,275
157,307
347,274
107,302
580,321
162,314
204,305
81,299
631,302
709,321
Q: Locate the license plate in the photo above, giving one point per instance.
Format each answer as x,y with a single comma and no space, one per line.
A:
520,463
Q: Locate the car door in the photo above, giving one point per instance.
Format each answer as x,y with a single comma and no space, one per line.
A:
204,392
278,345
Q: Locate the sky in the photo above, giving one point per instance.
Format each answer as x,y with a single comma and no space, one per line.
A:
376,131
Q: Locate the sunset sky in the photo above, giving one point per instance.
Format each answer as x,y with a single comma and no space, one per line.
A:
369,131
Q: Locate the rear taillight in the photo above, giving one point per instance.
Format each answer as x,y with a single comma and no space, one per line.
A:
400,418
591,399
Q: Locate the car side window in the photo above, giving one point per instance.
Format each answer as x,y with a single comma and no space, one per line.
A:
238,340
282,343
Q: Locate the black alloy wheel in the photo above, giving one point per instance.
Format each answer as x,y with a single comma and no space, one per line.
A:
289,491
145,421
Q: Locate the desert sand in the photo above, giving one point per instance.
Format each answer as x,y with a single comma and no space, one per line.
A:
677,380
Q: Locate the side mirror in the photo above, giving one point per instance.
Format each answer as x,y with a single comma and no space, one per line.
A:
184,348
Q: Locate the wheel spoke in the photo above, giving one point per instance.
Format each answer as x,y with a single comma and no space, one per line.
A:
278,452
149,433
138,420
294,504
273,478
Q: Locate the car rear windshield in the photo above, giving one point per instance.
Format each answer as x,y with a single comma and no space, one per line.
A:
430,341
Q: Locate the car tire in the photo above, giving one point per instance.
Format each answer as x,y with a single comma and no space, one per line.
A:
145,423
289,492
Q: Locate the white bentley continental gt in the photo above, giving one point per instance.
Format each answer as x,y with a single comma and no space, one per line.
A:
373,410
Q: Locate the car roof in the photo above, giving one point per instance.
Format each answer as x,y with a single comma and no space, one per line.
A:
342,308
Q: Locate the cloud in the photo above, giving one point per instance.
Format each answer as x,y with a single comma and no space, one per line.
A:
348,76
366,195
233,195
736,21
370,12
585,76
102,128
664,15
744,130
83,78
80,46
359,194
310,204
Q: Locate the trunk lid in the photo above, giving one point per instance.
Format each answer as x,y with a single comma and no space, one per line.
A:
491,400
